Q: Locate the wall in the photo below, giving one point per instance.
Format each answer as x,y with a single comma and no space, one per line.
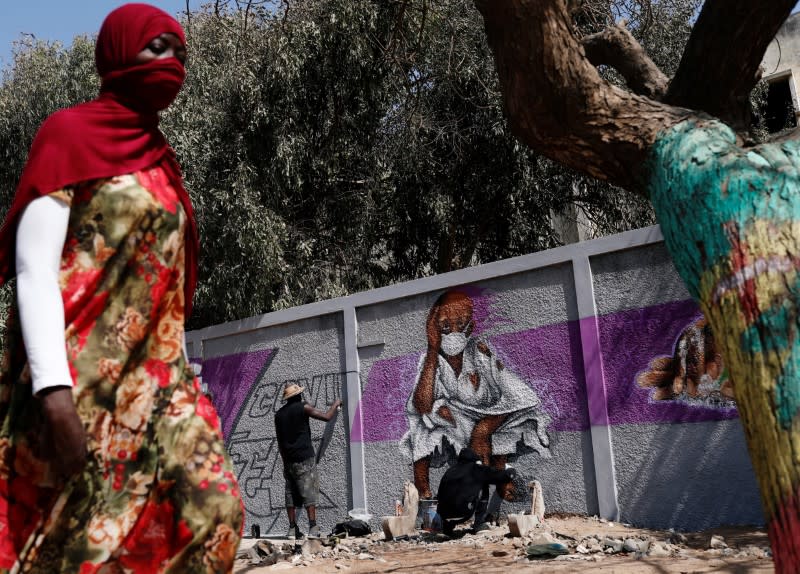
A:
782,57
590,360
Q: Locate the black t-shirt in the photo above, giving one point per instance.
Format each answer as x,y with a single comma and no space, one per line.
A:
293,432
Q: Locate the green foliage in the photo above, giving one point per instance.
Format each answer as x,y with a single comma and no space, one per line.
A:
332,146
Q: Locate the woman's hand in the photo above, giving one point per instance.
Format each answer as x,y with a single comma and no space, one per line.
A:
66,434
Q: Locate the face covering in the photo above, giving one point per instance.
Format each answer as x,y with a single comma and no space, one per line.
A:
453,343
149,87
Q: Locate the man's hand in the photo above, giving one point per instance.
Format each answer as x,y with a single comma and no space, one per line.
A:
65,430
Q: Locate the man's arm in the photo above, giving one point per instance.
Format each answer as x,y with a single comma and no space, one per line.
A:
496,476
315,413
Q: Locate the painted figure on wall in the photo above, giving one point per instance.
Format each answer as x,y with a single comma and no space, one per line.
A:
694,374
465,396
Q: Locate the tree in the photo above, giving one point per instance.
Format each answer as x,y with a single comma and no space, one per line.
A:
336,146
729,210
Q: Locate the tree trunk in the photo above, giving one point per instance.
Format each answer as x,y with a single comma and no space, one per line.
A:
731,220
730,216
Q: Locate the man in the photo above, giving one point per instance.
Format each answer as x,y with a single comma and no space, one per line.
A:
464,394
297,452
464,491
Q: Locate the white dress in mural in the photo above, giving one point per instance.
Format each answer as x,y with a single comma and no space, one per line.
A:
499,392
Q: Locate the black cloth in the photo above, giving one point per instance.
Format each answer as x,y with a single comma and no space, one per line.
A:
293,432
464,489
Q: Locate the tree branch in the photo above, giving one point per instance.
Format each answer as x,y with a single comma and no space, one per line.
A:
720,65
556,100
616,47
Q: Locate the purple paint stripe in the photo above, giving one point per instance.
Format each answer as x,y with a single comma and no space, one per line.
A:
629,340
230,379
593,367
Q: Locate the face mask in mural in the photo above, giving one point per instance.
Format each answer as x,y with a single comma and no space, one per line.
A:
453,343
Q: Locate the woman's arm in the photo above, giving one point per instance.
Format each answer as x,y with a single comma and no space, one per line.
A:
40,241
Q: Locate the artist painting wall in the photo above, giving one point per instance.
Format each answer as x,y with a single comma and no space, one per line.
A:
587,368
245,375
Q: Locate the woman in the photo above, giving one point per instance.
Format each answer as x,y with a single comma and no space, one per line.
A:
111,459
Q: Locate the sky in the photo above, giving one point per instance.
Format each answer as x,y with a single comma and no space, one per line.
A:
64,19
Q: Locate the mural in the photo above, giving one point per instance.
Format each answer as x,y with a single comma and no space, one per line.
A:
694,373
465,396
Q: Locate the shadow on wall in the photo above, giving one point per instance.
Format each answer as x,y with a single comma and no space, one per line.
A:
689,476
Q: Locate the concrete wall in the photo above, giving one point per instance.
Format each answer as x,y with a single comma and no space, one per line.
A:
572,334
782,58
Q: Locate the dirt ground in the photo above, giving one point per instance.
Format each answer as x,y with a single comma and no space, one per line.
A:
736,550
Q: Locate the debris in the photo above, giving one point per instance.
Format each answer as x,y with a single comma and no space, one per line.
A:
544,550
499,553
677,538
717,542
521,524
634,545
310,547
340,566
612,545
657,549
365,556
404,525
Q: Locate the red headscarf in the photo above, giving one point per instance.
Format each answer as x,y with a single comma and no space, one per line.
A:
115,134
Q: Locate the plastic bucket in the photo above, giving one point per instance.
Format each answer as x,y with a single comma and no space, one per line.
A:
431,521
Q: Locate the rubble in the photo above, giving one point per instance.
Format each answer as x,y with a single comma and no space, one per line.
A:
589,542
405,524
521,524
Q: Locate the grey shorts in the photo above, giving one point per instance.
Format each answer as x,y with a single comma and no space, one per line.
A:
302,483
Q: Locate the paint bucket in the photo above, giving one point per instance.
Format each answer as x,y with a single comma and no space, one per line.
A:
431,521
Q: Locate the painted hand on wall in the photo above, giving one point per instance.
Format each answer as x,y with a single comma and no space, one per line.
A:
695,373
464,396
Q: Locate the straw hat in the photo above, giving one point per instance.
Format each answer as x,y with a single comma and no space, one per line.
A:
291,390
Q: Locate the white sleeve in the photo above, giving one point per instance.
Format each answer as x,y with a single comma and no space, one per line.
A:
40,240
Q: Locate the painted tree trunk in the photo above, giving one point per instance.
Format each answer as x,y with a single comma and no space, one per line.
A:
731,220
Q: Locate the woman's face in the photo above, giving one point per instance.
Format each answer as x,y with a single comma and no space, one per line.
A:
166,45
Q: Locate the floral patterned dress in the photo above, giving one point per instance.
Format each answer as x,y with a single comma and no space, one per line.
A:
158,493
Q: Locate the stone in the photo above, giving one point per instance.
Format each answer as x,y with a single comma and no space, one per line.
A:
310,547
499,553
340,566
613,544
281,566
657,550
537,500
519,525
717,542
548,549
677,538
543,538
634,545
581,549
405,524
365,556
